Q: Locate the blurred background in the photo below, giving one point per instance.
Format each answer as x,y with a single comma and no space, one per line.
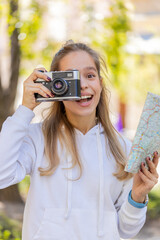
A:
125,32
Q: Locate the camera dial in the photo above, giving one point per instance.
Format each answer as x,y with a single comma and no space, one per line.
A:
60,86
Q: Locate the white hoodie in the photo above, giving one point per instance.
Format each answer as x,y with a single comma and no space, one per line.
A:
94,207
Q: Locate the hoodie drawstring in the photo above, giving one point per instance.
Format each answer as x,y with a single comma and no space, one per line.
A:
69,187
101,185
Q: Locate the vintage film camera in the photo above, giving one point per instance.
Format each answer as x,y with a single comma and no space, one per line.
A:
65,85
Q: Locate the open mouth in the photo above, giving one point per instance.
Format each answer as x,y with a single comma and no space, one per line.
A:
85,98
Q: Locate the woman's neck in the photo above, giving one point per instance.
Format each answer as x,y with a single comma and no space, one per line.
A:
82,123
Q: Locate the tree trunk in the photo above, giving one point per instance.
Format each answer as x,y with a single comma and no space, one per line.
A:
10,194
7,96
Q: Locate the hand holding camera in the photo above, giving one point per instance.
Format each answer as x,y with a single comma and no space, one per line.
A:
30,87
43,86
64,85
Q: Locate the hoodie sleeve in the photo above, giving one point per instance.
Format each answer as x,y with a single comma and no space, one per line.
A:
17,150
130,219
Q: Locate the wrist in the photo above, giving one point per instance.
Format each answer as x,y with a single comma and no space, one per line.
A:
31,107
137,204
137,198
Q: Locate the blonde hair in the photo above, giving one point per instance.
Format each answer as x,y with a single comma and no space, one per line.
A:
57,127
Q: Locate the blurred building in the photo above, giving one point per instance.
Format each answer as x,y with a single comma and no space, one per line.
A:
145,27
146,16
73,19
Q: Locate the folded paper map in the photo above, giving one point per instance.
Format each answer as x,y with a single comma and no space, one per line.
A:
147,137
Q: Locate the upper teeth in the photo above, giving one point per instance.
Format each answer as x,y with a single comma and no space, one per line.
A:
84,97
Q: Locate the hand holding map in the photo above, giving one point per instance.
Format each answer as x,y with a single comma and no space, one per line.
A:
147,137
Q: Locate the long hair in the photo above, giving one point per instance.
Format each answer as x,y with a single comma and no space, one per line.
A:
56,127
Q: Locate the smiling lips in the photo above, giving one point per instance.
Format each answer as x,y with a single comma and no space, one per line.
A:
86,97
85,100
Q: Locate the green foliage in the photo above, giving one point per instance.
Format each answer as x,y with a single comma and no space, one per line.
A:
112,41
13,15
27,19
29,30
28,22
144,77
3,8
117,26
153,204
46,54
9,229
6,234
119,21
23,187
132,76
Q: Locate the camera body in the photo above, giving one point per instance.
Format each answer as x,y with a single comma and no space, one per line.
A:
65,85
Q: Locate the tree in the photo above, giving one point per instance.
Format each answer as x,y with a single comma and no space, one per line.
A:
17,50
7,96
118,24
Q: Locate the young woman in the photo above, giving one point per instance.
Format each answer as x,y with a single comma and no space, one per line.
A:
79,189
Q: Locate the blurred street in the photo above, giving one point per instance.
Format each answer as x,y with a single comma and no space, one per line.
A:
150,231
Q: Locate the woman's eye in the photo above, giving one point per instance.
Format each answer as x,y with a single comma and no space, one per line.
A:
91,75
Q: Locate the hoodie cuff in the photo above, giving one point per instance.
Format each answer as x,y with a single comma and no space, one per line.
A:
132,211
24,114
137,204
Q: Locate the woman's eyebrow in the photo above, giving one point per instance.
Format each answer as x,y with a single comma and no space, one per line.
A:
86,68
71,69
90,68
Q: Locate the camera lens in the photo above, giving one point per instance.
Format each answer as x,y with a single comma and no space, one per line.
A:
60,86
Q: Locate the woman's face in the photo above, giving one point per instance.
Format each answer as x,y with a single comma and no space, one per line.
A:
90,83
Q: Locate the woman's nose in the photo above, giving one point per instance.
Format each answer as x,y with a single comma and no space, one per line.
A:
84,83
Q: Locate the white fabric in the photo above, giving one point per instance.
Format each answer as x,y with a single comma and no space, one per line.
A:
101,185
57,208
69,187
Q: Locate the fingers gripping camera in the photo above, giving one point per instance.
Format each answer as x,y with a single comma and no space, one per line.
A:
65,85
